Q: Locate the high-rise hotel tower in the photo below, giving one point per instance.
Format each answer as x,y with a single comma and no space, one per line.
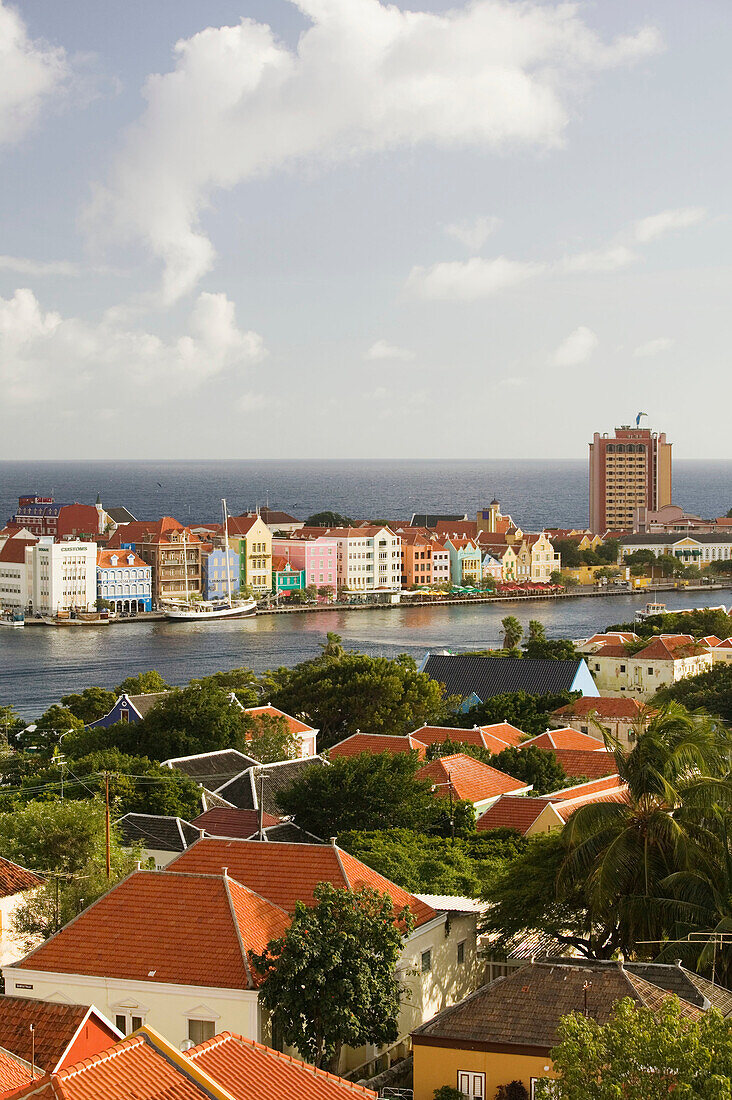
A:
628,470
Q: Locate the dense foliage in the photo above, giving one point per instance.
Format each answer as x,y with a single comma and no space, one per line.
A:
710,691
529,713
700,622
330,980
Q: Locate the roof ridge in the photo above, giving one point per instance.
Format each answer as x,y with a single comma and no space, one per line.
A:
239,937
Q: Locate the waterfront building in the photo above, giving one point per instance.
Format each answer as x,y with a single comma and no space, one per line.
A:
696,549
368,558
44,516
466,561
64,576
171,550
417,547
628,471
492,521
440,562
536,559
316,557
491,568
214,570
124,580
280,523
666,659
251,536
16,572
286,577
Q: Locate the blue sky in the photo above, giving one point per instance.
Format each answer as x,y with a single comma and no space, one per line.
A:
338,228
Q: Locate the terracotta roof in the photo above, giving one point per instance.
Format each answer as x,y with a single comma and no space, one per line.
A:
566,809
14,1071
525,1008
593,764
472,780
166,927
233,823
602,707
14,550
288,873
251,1071
512,812
512,735
55,1025
495,737
377,742
15,879
670,648
104,559
294,725
566,738
584,790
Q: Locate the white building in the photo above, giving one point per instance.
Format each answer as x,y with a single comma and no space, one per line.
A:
16,572
64,576
698,549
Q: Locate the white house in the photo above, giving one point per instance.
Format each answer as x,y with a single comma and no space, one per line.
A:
666,659
17,884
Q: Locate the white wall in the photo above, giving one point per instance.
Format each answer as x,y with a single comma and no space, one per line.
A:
64,576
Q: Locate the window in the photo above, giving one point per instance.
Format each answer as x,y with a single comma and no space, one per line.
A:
472,1084
127,1023
622,668
461,951
201,1030
426,961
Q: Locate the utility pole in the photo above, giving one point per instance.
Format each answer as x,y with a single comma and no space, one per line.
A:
106,825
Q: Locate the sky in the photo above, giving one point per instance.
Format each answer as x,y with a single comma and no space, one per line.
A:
350,229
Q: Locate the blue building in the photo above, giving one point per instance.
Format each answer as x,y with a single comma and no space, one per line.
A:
214,582
124,580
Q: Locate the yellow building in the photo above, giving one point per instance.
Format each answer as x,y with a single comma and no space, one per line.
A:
253,538
505,1031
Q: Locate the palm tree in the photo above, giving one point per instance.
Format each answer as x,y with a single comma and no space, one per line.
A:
624,852
512,632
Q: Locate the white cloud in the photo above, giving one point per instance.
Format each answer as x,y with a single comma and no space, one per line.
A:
475,233
21,266
653,347
469,280
649,229
383,350
365,77
30,72
603,259
575,349
62,361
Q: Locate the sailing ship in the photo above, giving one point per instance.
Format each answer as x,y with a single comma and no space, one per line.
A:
199,611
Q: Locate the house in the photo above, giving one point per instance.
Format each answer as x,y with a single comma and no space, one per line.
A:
621,717
250,536
172,551
611,637
305,736
536,558
550,812
162,838
124,580
211,769
368,558
16,572
491,521
226,1067
129,708
172,949
506,1030
45,516
243,791
470,780
219,570
315,555
491,567
666,659
495,737
433,519
63,1033
565,737
286,577
280,522
475,679
698,549
417,544
466,561
722,652
17,885
376,743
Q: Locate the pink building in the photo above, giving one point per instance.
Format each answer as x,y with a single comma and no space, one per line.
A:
317,555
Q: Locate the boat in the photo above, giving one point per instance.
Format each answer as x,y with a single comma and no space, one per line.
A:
12,618
651,608
202,611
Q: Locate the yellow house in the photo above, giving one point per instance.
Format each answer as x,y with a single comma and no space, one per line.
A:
536,559
506,1030
253,538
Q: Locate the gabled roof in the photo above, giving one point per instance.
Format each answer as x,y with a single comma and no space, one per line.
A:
670,647
177,928
288,873
512,812
495,737
14,879
56,1026
609,784
14,1072
524,1009
212,769
603,708
566,738
104,559
295,725
591,763
243,824
464,674
14,550
165,834
120,515
471,779
143,704
376,743
243,790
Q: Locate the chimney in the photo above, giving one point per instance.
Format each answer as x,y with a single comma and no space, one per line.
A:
334,840
225,872
201,834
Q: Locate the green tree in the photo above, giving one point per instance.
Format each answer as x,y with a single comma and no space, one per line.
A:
642,1054
364,792
340,695
571,556
532,765
10,724
709,691
538,646
89,704
620,853
242,681
328,519
512,632
447,1092
145,683
330,981
270,739
609,551
333,646
514,1090
640,557
529,713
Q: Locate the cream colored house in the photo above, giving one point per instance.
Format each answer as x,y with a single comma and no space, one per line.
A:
171,949
253,539
536,559
666,659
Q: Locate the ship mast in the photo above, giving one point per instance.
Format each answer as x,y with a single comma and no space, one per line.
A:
185,564
226,548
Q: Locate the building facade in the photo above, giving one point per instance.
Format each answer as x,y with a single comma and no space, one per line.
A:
665,660
251,536
316,557
173,553
367,558
466,561
64,576
629,470
696,549
124,580
287,578
214,575
44,516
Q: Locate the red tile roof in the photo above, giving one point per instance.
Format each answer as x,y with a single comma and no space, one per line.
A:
495,738
14,1072
294,725
670,647
504,731
104,559
251,1071
603,708
566,738
512,812
56,1026
471,779
151,531
566,809
288,873
583,762
585,790
377,742
14,550
234,823
192,935
15,879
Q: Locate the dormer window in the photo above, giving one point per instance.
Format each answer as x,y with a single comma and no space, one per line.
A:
114,559
130,559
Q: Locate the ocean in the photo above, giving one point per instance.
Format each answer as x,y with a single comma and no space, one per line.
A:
535,493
